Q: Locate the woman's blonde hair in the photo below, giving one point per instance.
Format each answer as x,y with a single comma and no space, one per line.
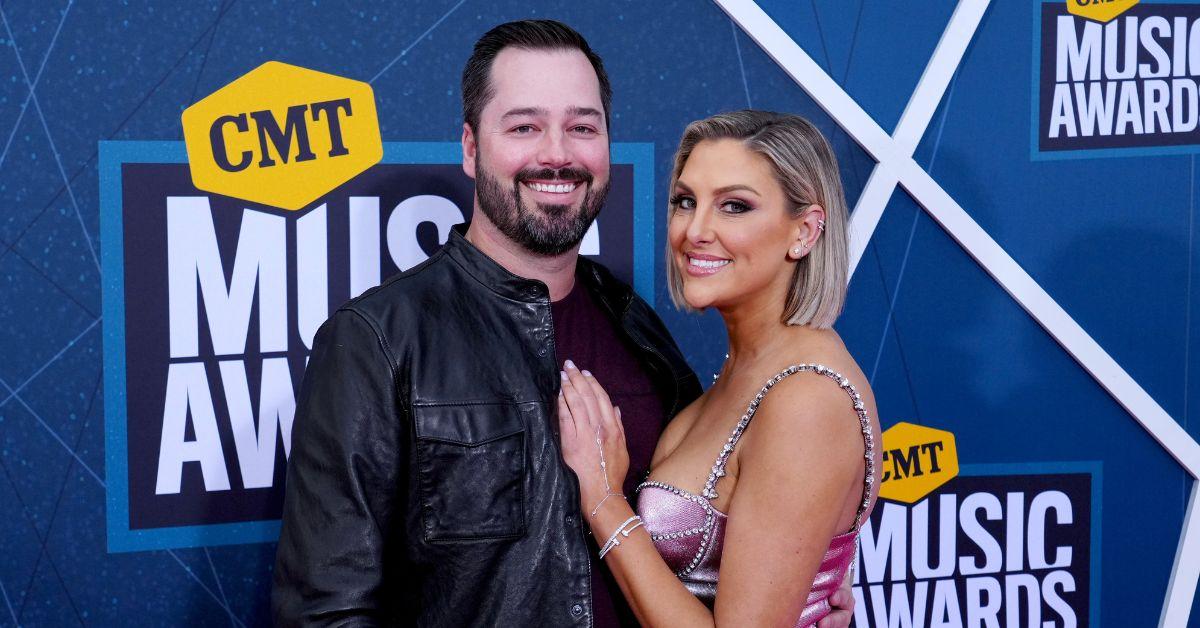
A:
807,171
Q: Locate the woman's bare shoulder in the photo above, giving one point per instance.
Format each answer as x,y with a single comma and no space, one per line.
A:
813,409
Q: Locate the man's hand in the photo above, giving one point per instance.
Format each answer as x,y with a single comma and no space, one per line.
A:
842,602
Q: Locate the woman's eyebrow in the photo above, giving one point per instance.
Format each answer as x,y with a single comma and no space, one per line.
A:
736,187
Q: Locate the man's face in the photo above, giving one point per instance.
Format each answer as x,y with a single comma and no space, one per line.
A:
540,155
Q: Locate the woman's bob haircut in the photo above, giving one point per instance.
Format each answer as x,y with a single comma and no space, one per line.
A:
807,171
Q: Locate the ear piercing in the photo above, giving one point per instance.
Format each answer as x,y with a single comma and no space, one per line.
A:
800,249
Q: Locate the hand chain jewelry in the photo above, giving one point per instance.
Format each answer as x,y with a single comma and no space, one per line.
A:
608,492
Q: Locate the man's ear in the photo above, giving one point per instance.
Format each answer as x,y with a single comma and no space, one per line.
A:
469,150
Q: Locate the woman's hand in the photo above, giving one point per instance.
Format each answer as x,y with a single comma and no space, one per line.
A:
593,439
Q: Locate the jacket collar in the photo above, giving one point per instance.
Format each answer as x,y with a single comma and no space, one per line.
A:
492,275
613,294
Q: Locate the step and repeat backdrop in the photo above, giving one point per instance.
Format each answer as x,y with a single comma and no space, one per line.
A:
1023,178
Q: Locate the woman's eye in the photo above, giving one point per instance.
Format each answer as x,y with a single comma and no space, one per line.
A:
681,202
735,207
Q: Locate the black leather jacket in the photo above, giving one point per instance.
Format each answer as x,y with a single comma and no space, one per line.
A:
425,484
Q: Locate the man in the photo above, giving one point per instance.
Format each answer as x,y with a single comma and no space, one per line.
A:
425,484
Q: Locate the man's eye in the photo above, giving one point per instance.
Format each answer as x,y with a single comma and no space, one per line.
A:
584,130
523,129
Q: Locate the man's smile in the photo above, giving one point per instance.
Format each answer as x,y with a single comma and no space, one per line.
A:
564,187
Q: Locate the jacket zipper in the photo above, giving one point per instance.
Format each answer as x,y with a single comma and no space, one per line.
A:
573,480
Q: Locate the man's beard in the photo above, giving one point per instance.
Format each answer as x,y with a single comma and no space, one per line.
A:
548,229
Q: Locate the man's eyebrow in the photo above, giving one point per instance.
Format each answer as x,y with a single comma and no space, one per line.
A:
583,111
525,111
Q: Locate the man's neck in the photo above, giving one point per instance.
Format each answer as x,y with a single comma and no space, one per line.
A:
557,272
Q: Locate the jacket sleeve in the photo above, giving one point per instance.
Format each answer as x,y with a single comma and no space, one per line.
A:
343,474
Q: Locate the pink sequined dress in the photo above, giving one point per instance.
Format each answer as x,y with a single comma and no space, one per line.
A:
689,533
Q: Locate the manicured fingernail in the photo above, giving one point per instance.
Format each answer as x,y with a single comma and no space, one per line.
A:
564,376
570,364
586,373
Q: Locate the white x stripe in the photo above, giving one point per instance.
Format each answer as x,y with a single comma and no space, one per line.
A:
913,122
895,166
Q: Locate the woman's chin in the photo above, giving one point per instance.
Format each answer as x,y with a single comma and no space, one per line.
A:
698,300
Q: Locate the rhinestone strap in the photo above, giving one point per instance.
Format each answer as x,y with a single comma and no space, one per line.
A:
718,469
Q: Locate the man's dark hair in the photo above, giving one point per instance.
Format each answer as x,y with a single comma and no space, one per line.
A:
530,35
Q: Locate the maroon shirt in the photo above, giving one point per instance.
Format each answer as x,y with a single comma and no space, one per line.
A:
584,335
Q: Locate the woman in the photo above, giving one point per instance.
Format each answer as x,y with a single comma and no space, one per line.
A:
758,230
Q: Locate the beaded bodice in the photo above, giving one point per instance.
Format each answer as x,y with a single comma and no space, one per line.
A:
689,532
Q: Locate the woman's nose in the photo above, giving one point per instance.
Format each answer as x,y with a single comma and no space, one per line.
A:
699,229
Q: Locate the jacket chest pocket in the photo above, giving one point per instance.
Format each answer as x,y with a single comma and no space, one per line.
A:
471,471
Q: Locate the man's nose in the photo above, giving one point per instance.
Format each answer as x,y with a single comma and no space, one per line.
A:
552,150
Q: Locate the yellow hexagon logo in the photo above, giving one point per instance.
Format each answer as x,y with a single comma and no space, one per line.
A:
282,135
916,460
1099,10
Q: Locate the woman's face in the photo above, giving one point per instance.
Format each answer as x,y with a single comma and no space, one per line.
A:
731,233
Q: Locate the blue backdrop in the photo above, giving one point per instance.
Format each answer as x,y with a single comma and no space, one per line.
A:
1109,237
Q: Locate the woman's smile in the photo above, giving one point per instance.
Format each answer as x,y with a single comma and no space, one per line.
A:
701,265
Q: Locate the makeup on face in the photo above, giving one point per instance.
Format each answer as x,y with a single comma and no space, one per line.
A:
729,229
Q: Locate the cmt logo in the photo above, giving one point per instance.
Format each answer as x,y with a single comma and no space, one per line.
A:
916,460
1099,10
282,135
280,139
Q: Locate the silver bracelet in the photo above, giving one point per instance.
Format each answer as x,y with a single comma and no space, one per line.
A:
614,541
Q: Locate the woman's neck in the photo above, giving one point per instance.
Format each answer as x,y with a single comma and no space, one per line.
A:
757,334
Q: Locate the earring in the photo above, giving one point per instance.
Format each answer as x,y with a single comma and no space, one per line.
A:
821,224
796,251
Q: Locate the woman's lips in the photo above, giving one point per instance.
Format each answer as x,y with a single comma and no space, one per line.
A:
705,265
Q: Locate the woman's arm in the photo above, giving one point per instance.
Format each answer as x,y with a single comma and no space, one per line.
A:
585,414
790,501
799,474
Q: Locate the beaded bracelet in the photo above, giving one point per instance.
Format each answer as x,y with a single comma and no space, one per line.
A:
613,541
